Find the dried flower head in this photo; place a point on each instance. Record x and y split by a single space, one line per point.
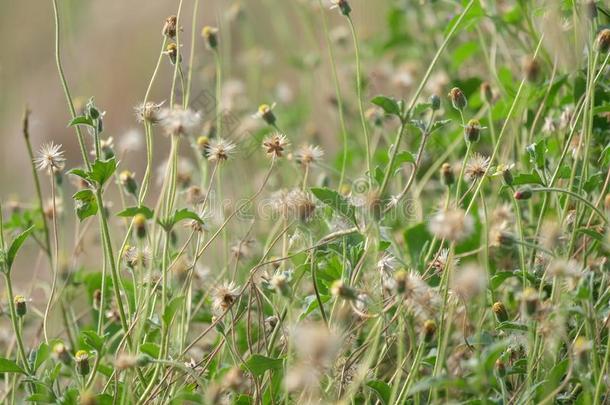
169 27
458 99
220 149
50 158
302 204
308 154
442 262
179 122
149 112
476 167
224 296
275 145
603 40
452 224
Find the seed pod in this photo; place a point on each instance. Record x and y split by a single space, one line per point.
339 289
20 305
435 102
139 223
603 41
486 92
210 35
429 330
472 131
447 175
169 27
128 181
507 176
524 193
458 99
499 309
82 362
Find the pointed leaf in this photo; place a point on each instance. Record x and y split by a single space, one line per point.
172 308
388 104
86 204
133 211
336 201
81 120
102 170
257 364
16 245
9 366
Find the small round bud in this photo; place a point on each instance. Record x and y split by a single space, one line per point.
458 99
171 50
169 27
128 181
210 35
82 362
266 113
603 41
524 193
343 6
339 289
472 131
202 145
60 352
447 175
435 102
139 223
486 92
499 310
20 305
507 176
429 330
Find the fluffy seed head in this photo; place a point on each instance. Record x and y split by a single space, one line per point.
220 149
308 154
224 296
179 122
149 112
452 224
50 158
476 167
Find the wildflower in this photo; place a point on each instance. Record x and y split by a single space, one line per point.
566 117
343 6
476 167
195 195
421 300
550 235
224 296
20 305
275 144
400 281
169 27
149 112
447 175
266 113
179 122
451 224
220 149
472 131
50 158
203 142
127 179
499 310
501 367
549 125
504 170
315 343
458 99
60 352
243 248
82 362
339 289
107 149
279 283
603 41
210 35
530 301
308 154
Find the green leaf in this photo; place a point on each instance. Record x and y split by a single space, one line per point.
80 173
16 245
86 204
82 120
591 233
388 104
93 340
382 390
401 158
416 237
438 125
102 170
152 349
512 326
336 201
133 211
526 178
42 354
257 364
9 366
499 278
185 213
172 308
